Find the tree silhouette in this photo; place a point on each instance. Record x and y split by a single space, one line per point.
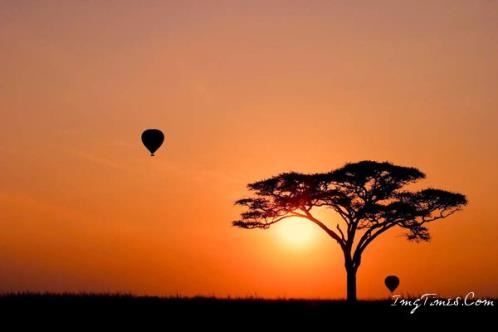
368 196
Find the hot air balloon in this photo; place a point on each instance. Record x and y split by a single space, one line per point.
152 139
391 282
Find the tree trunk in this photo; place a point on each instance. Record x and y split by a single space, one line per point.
351 284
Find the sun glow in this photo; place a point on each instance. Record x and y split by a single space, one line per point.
296 232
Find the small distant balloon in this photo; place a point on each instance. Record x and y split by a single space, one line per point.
152 139
392 282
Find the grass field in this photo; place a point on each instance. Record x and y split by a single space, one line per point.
124 309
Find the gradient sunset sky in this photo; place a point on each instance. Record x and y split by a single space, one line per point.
243 90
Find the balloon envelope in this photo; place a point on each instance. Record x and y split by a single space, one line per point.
391 282
152 139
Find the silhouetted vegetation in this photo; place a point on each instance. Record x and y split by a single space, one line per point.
370 198
208 311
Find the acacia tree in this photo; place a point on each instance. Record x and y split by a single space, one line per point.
370 198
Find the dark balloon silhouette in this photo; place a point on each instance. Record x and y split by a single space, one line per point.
152 139
392 282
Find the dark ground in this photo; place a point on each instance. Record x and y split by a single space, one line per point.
123 310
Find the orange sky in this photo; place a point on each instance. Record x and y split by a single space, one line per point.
243 90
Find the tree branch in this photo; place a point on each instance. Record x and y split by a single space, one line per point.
330 232
369 237
259 224
341 233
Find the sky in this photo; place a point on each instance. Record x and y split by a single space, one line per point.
243 90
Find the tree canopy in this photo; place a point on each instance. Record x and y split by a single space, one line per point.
367 195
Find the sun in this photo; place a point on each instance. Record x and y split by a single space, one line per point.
296 232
